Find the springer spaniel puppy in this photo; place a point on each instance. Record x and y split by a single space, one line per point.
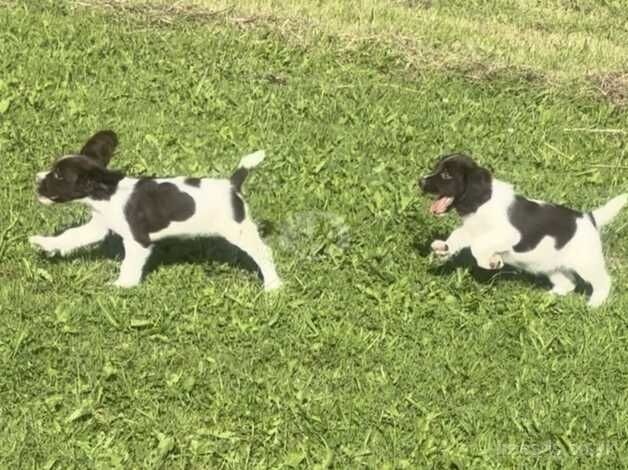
145 210
501 226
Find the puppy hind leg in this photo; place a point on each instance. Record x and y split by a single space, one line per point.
601 289
562 283
246 237
135 256
597 276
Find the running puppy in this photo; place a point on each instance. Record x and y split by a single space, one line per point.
144 210
502 227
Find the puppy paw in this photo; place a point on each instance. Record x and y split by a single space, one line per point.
125 283
493 263
562 290
44 244
273 285
440 248
596 300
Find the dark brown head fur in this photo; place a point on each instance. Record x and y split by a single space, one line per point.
457 176
83 175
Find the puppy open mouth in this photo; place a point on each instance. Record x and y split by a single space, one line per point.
441 205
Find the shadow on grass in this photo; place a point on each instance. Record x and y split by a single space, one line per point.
172 251
484 276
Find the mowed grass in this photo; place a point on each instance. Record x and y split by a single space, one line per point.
372 355
555 41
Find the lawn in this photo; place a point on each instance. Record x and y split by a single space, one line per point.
373 354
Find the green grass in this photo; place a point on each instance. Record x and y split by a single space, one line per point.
372 355
556 41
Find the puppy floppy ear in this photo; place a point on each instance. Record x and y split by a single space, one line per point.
477 191
478 178
100 146
101 183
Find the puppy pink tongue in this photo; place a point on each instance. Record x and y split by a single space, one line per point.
441 205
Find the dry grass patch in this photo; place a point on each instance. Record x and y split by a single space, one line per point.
614 86
557 40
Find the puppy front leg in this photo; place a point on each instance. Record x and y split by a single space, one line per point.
457 240
135 256
486 251
68 241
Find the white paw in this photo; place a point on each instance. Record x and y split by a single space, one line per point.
44 244
595 302
440 248
560 291
493 263
125 283
273 285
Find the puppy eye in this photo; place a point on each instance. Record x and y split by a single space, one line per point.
445 175
57 176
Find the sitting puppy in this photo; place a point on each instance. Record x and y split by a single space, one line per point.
144 210
502 227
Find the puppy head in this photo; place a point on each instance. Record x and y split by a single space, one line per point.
82 175
457 182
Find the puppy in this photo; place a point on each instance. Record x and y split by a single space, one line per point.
145 210
501 226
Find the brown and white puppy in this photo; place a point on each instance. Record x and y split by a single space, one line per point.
500 226
145 210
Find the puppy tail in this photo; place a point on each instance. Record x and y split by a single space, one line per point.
605 214
247 163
